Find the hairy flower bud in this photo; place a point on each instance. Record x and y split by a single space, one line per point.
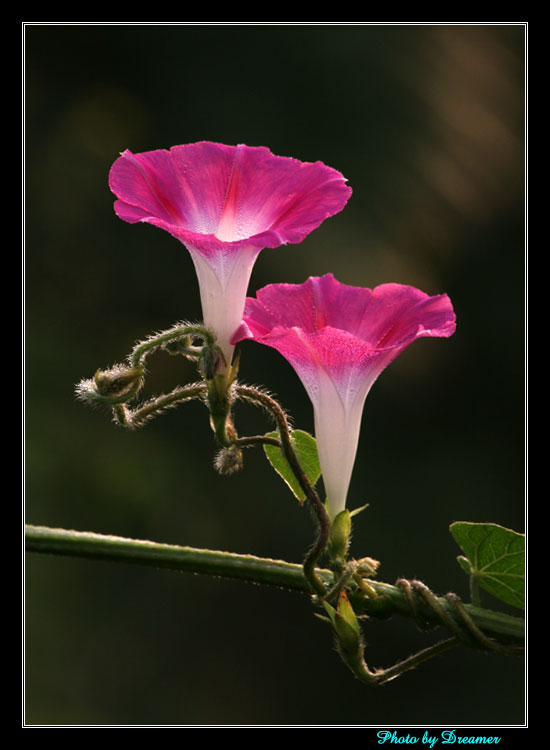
117 381
367 566
228 461
211 362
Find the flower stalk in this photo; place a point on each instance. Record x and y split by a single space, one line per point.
219 378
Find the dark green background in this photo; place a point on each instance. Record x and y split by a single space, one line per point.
426 123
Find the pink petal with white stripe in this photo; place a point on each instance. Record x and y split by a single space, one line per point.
339 338
226 204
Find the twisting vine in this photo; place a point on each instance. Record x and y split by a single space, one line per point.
342 591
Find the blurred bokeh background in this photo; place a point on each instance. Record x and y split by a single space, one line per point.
427 125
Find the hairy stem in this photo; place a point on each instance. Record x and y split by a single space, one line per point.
144 348
320 514
148 409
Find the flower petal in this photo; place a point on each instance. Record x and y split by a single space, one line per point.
209 194
337 432
339 338
223 281
223 201
150 183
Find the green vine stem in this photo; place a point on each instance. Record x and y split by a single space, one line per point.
219 389
382 676
136 417
172 335
319 512
347 586
505 630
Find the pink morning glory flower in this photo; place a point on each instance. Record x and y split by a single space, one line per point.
226 204
339 338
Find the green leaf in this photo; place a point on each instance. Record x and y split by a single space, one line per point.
495 556
305 448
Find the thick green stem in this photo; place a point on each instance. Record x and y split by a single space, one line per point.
390 600
209 562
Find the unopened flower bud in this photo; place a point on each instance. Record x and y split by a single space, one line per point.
211 362
228 461
117 381
345 625
367 566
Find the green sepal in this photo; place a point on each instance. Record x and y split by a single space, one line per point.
331 612
356 511
339 537
211 362
219 378
495 556
305 448
345 611
345 624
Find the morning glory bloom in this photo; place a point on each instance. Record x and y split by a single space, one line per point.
339 338
226 204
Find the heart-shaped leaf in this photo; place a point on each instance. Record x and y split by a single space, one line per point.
495 556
